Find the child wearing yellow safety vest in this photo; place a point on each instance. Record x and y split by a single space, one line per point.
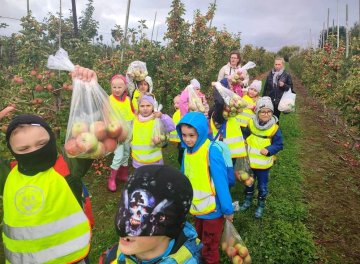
42 195
151 220
173 134
204 165
143 151
250 97
227 130
120 101
264 140
142 87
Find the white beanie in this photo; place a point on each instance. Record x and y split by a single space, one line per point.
256 84
264 102
149 82
195 83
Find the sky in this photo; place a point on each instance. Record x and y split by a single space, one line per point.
269 24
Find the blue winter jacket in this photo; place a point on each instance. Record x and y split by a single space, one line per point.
217 165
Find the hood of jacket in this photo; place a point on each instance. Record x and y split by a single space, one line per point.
199 122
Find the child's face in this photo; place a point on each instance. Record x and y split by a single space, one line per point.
143 86
145 108
144 247
118 87
252 92
176 102
189 135
28 138
265 115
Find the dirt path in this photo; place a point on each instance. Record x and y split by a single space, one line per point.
331 183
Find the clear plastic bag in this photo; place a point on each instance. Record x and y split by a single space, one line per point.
234 104
160 137
243 172
195 102
233 245
94 127
287 102
136 71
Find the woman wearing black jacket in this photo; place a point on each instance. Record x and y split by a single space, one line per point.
277 82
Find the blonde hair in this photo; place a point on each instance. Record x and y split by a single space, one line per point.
280 59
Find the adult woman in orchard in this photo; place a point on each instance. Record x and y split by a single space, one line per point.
231 66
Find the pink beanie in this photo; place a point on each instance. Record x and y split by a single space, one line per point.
118 76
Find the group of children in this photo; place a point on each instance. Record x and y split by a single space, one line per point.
151 219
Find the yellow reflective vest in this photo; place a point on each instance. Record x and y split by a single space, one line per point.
247 114
234 138
257 140
196 168
142 149
173 134
134 100
124 107
43 221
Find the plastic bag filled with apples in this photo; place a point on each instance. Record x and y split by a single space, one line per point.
160 137
94 127
234 104
195 102
243 172
136 71
233 245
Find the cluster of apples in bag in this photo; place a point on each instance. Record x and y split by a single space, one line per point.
95 139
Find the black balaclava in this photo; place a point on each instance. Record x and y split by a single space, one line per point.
38 160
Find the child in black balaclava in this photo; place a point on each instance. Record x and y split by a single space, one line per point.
42 195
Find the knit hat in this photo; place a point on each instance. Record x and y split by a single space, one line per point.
118 76
256 84
148 97
154 202
40 159
264 102
149 82
195 83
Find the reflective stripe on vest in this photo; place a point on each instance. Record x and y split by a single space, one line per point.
43 221
247 114
204 192
233 137
51 254
141 145
174 137
124 107
258 140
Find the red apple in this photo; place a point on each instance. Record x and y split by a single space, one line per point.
114 129
49 87
98 128
78 128
38 88
242 250
87 142
124 134
99 152
110 144
33 73
71 148
231 252
247 260
237 260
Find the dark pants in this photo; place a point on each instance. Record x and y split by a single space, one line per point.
262 178
276 111
209 232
